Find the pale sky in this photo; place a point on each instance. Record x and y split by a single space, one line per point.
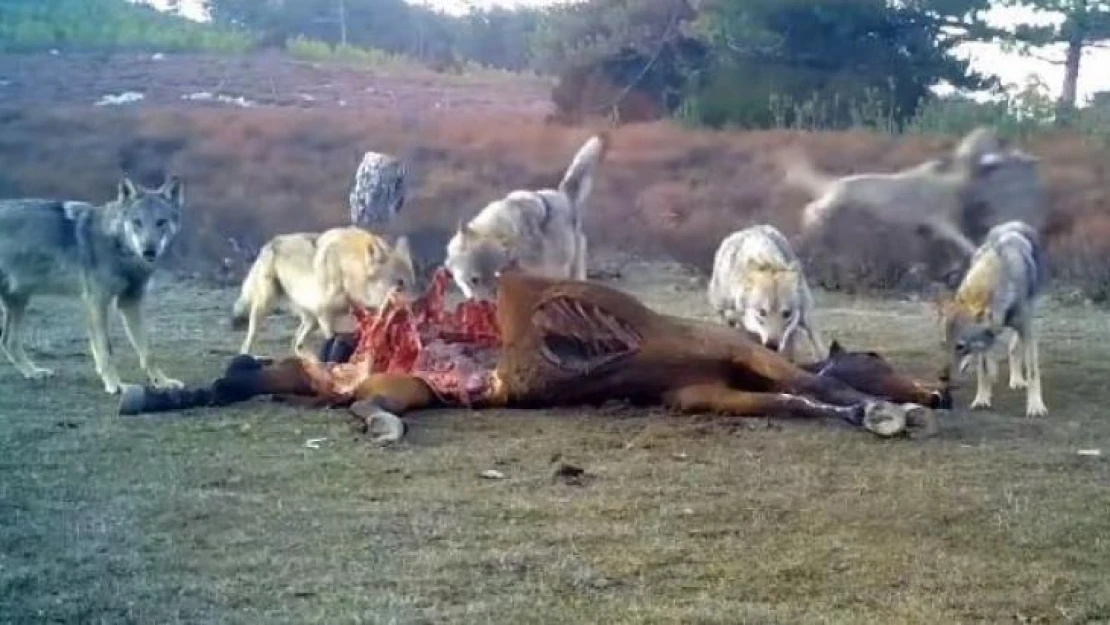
1010 67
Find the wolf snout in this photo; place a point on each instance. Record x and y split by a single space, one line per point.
771 344
149 253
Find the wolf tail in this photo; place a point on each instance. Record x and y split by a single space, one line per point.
259 288
800 172
579 179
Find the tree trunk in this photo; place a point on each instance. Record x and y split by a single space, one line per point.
1065 107
1071 73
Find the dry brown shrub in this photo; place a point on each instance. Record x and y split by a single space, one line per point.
664 190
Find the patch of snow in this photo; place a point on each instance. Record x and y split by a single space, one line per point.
127 97
157 56
204 96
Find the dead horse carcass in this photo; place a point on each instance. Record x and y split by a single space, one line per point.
566 343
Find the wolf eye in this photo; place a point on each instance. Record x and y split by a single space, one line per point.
786 313
961 347
400 283
138 223
762 312
474 281
161 223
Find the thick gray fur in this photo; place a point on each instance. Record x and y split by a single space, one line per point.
105 255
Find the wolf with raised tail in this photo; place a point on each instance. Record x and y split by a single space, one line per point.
321 275
105 255
758 284
999 292
539 232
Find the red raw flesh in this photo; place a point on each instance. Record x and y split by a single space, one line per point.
454 352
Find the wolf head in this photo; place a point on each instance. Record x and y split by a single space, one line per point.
396 272
771 307
147 220
967 332
476 262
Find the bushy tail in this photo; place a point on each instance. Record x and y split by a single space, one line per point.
800 172
258 284
579 179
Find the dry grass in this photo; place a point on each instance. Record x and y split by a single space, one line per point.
225 516
664 189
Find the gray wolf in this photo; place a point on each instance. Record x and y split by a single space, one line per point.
931 195
321 275
999 292
539 232
378 193
758 283
104 254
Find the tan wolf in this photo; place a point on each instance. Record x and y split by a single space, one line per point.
932 194
538 231
758 284
103 254
321 275
1000 291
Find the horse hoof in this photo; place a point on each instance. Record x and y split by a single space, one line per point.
132 399
941 400
884 419
383 426
921 423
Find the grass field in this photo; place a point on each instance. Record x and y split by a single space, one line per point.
227 516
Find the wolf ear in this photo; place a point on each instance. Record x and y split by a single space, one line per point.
463 228
835 348
174 190
512 265
401 248
127 189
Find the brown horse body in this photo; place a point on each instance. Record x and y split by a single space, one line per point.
566 343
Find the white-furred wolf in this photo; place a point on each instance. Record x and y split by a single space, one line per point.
758 284
931 195
321 275
103 254
539 232
999 291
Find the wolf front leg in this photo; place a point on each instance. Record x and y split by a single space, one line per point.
1017 362
130 310
985 370
96 306
1034 401
946 230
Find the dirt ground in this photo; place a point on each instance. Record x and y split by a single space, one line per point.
263 513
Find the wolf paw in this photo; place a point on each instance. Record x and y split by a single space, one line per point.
1018 383
1036 409
884 419
111 384
980 403
164 382
38 373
